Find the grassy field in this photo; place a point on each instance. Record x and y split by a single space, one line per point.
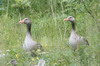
53 33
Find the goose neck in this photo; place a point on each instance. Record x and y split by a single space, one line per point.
73 26
29 29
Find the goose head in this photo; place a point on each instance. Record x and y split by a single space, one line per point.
70 18
25 21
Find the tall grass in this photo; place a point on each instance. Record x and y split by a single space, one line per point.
52 32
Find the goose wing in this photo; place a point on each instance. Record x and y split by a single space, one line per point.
84 40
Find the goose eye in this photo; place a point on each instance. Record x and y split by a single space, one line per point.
26 19
70 17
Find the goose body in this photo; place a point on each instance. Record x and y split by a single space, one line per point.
29 44
74 38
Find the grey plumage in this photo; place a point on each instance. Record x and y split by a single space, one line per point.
13 62
75 39
29 44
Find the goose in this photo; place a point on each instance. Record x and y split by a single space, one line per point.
29 44
13 62
75 39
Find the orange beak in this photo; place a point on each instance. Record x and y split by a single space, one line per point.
21 21
66 19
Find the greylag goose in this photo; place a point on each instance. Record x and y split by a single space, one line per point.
13 62
75 39
29 44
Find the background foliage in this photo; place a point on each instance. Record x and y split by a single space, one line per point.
50 30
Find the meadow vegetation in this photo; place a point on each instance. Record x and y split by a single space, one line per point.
50 30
